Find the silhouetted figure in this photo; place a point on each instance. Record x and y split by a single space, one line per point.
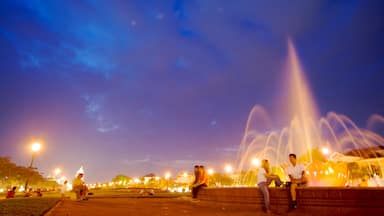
201 180
11 193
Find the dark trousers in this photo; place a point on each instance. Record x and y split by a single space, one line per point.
195 190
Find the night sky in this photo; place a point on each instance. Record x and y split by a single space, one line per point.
145 86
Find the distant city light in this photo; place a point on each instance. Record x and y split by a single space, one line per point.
256 162
228 168
325 150
57 171
167 175
210 171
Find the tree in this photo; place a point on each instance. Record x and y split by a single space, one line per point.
121 179
13 175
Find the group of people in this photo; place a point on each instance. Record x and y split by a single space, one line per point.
30 193
78 186
201 180
296 174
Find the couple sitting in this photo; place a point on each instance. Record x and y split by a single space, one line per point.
201 180
296 173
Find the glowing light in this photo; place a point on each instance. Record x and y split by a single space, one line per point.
185 174
210 171
330 170
167 175
325 151
36 147
136 180
228 168
57 171
256 162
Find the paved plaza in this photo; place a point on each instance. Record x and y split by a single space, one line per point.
149 206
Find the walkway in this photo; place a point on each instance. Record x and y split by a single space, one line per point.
148 206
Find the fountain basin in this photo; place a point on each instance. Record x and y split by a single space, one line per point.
311 200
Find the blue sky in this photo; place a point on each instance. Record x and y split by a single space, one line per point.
145 86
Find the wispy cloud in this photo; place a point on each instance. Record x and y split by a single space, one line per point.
94 110
147 159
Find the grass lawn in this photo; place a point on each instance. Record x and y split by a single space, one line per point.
27 206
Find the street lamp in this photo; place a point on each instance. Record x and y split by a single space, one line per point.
325 151
57 171
211 171
167 176
228 169
35 148
256 162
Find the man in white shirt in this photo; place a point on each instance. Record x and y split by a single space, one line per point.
264 178
296 173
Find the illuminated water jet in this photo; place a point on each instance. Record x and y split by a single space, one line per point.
306 133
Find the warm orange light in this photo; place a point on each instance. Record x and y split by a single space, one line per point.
210 171
228 168
167 175
325 150
256 162
57 171
36 147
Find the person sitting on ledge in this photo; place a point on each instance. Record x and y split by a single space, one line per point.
296 173
201 180
264 179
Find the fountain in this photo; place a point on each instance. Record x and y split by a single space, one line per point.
310 137
336 153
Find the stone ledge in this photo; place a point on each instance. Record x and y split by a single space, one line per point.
311 200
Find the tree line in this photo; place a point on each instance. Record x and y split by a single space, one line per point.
14 175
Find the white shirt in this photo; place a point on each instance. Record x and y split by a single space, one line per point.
63 188
261 176
295 171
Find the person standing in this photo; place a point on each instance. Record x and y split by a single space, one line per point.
296 173
264 179
64 189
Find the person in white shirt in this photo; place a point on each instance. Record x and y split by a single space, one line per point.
64 189
296 173
264 178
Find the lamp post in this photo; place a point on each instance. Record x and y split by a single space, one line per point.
167 176
35 148
256 162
